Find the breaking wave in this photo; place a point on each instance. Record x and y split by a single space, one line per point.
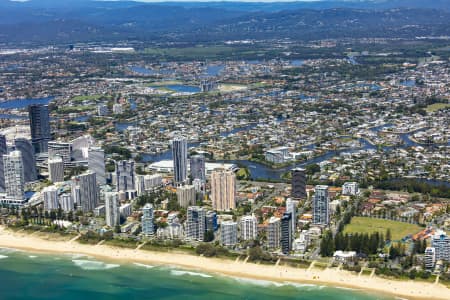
181 273
143 265
93 265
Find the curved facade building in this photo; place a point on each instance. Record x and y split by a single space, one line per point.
28 158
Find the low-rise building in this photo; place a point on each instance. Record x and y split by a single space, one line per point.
344 256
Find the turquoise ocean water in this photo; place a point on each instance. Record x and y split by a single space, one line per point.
33 276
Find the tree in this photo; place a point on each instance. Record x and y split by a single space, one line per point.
424 246
70 216
312 169
388 235
327 244
53 215
206 249
338 210
209 236
108 235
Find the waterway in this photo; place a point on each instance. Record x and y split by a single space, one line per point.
182 88
261 171
22 103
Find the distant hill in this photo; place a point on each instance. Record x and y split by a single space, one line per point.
338 23
72 21
279 5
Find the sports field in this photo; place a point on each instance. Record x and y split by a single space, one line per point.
371 225
437 106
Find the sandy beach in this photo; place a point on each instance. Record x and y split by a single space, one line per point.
329 277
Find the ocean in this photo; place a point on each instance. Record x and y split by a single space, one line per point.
34 276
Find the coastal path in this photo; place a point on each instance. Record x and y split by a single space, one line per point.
311 265
75 238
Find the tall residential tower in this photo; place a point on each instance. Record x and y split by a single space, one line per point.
321 205
29 161
3 151
223 189
298 183
14 177
179 153
40 127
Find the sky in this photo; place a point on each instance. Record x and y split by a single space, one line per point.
221 0
202 0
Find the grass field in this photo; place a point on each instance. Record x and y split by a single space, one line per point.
371 225
210 52
163 83
202 52
437 106
226 88
88 98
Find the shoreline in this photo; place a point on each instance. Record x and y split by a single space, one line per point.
278 274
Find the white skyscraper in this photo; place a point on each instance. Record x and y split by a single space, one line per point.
195 223
66 202
321 205
223 190
28 157
14 176
198 170
274 233
199 185
186 195
152 181
291 207
125 179
228 233
126 210
145 183
148 228
96 163
441 243
112 209
85 191
249 228
56 169
50 197
179 153
140 185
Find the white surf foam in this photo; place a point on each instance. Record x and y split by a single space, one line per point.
181 273
32 256
264 283
143 265
8 250
308 286
3 256
267 283
346 288
93 265
77 255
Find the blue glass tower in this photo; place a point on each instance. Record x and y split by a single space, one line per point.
40 127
